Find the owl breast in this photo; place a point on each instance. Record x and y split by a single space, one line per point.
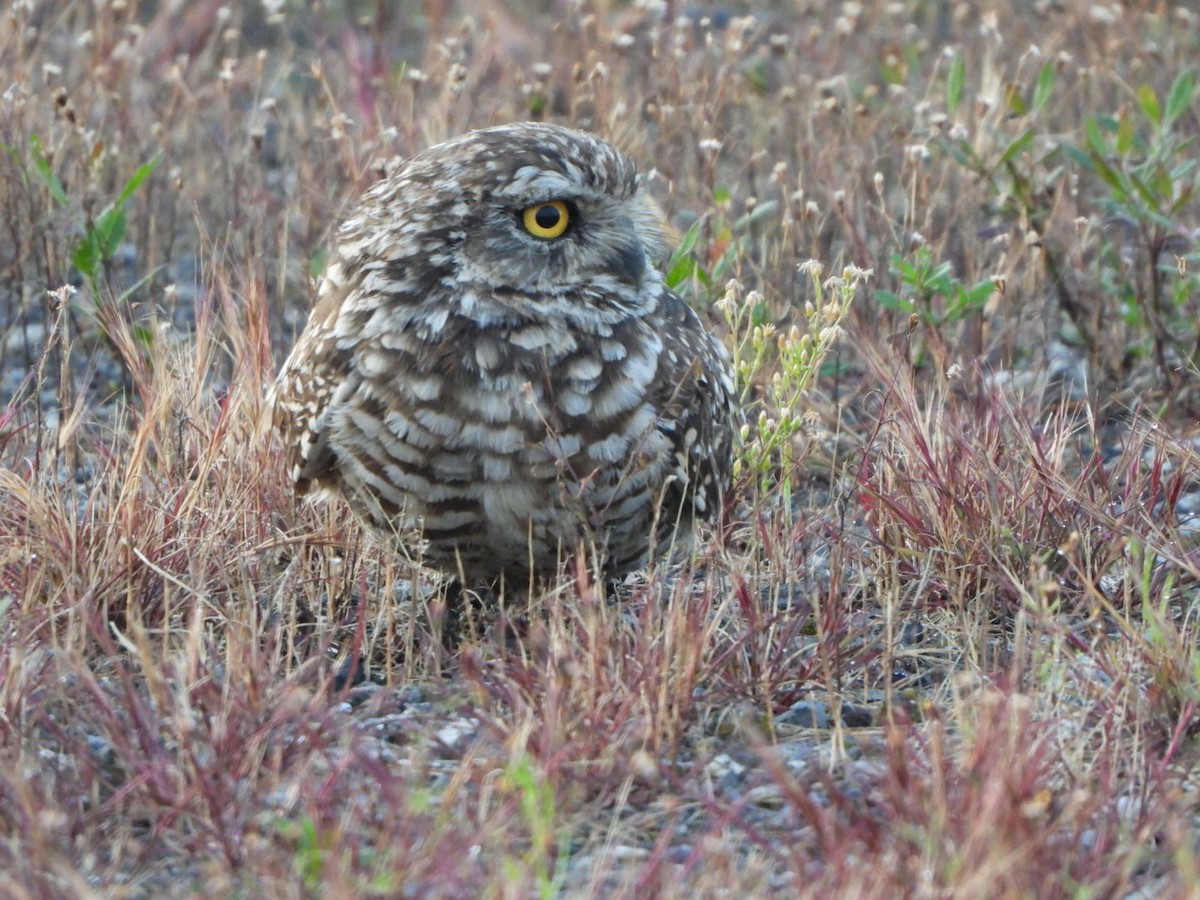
505 446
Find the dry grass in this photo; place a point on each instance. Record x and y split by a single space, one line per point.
947 645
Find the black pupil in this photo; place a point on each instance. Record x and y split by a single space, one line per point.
547 216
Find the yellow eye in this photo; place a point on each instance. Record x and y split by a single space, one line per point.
547 220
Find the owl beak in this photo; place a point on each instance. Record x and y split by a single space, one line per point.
628 260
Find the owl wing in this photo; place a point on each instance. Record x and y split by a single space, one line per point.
696 395
316 374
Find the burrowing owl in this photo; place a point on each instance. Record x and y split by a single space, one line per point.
494 363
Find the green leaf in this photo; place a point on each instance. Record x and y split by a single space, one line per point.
833 367
1148 101
1145 191
137 285
940 276
954 84
1014 101
1162 185
110 231
892 74
1183 170
681 266
103 237
679 273
1121 188
1180 96
689 240
685 270
756 76
1096 141
760 314
1080 157
977 296
135 181
722 267
890 300
1184 197
1125 134
1016 146
42 166
761 211
86 257
316 265
1044 87
962 155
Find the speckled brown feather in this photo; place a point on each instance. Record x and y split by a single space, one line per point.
499 395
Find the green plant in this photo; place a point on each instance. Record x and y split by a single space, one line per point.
535 795
1144 155
931 291
1016 159
1007 159
103 234
775 370
728 243
310 850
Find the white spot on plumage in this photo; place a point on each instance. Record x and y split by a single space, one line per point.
574 403
497 468
562 446
534 337
427 388
487 354
585 368
621 394
609 450
489 405
484 437
439 423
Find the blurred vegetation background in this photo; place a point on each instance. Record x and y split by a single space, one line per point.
946 647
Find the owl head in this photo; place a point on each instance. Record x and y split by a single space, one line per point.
519 211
